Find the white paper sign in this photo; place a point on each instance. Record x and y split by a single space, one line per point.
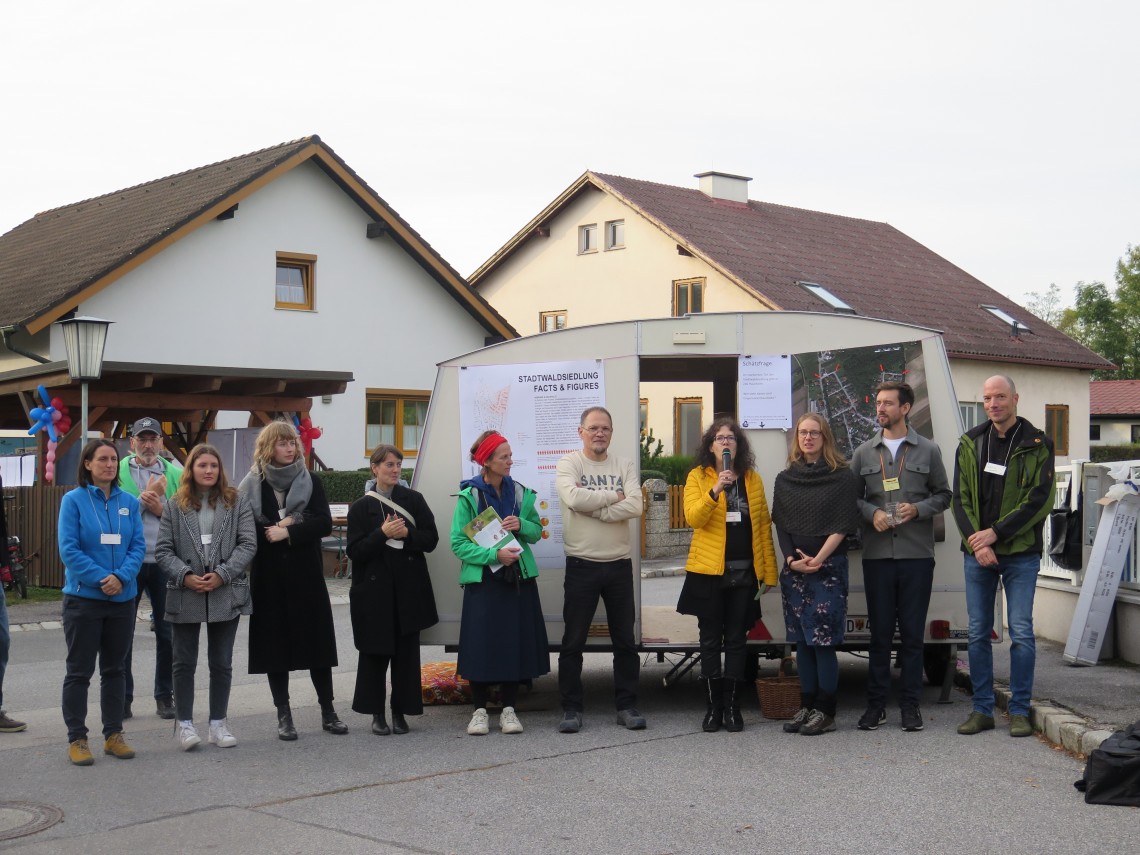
764 399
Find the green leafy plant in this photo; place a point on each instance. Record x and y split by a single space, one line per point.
651 449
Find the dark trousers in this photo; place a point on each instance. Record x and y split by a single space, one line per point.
220 637
586 583
371 671
898 591
153 581
723 625
322 682
95 628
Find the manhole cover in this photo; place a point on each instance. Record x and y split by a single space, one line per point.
18 819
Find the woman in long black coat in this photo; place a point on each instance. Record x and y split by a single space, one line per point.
391 596
291 628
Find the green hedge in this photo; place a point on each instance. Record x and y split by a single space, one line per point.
674 468
1109 453
348 485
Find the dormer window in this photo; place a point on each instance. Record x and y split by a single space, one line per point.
1016 327
817 290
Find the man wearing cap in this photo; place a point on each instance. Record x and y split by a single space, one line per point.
146 474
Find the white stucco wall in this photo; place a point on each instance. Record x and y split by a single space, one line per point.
209 299
1115 431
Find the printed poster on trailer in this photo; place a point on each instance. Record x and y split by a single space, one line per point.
536 406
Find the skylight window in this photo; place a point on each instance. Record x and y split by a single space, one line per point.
822 293
1013 323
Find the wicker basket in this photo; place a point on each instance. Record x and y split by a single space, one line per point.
779 695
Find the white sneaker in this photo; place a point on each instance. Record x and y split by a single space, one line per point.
478 725
188 737
509 722
220 734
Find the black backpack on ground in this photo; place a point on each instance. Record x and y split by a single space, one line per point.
1112 773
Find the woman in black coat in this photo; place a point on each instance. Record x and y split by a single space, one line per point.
391 596
291 628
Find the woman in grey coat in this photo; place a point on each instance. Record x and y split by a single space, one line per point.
206 541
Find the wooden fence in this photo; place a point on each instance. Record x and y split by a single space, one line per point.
33 513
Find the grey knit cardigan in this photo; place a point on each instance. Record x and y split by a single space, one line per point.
180 551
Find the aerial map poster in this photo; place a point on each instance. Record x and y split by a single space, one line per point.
840 386
537 407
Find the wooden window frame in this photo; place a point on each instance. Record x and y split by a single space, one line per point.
643 406
1058 413
677 404
400 397
678 284
588 246
557 314
609 235
307 264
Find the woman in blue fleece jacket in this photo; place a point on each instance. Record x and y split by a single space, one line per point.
102 546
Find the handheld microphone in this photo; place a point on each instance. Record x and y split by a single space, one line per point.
726 458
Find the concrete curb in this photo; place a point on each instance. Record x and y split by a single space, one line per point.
1063 727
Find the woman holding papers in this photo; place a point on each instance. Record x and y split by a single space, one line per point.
389 530
730 558
206 541
502 635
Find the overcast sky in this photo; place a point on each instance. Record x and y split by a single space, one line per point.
1005 136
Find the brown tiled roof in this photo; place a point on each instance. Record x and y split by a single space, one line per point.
871 266
1114 398
49 261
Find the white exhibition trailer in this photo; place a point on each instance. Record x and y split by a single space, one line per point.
534 389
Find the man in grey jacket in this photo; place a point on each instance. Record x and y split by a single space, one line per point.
904 488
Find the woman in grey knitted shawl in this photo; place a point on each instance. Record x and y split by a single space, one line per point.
206 540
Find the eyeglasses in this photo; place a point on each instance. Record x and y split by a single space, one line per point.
724 439
810 434
594 431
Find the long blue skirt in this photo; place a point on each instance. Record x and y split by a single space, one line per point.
502 636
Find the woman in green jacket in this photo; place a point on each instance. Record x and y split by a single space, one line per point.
502 634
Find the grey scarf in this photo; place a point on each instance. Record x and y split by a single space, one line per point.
293 480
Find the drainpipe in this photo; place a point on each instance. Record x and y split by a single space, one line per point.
6 335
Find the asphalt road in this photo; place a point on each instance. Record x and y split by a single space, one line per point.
668 789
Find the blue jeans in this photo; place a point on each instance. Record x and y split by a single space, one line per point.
152 580
1018 577
5 643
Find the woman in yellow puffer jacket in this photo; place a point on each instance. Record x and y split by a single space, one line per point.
730 558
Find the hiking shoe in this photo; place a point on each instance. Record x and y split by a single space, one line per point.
478 725
1019 725
872 718
188 737
220 734
9 724
509 722
631 719
571 722
797 721
164 708
817 722
911 719
976 723
116 746
79 754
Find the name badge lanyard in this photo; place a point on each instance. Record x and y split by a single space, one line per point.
105 537
732 504
892 484
999 468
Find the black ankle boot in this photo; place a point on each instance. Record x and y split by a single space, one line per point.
714 696
332 723
379 726
285 729
399 723
733 720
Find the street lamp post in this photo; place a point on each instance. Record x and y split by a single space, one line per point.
85 339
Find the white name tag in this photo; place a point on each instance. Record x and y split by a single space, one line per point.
395 544
110 539
732 517
995 469
123 512
207 539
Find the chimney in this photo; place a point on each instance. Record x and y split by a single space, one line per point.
721 185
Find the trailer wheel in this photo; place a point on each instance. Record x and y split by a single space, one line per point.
935 660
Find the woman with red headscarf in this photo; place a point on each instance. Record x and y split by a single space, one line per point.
502 634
